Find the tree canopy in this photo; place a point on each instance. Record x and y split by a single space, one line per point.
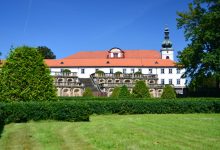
201 25
25 77
46 52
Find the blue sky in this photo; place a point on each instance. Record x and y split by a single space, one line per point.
69 26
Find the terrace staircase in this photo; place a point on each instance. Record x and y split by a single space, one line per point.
88 83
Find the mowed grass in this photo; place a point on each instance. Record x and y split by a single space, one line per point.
150 131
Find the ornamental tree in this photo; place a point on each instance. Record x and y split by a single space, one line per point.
25 77
168 92
124 92
201 57
141 90
115 92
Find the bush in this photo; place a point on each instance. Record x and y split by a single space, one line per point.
25 77
118 73
87 93
168 92
99 72
66 72
138 73
25 111
115 92
140 90
123 92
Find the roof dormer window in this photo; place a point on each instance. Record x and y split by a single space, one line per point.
115 53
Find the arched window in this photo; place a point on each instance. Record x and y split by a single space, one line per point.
76 90
127 81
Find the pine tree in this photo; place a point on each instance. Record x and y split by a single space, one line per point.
25 77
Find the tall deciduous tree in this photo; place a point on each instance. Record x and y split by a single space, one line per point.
46 52
25 77
201 24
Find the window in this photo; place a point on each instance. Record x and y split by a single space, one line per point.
170 81
82 71
162 71
132 70
162 81
178 81
140 70
170 70
150 71
115 55
124 71
167 57
111 71
178 71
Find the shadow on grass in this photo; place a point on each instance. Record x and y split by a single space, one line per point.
1 128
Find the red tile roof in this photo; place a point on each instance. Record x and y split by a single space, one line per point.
133 58
153 54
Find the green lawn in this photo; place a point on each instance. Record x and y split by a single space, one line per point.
164 131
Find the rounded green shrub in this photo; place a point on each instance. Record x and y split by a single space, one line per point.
115 92
168 92
123 92
141 90
25 77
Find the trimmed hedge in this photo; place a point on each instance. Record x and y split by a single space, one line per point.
25 111
81 110
154 107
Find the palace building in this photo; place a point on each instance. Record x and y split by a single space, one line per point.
103 70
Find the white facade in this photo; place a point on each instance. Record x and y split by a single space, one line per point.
167 54
171 74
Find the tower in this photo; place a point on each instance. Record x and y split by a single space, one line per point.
167 50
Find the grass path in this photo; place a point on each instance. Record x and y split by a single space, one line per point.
170 131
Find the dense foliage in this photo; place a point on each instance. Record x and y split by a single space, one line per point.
115 92
46 52
168 92
26 111
201 57
88 93
124 92
25 77
140 90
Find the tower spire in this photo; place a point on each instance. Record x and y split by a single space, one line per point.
167 50
166 44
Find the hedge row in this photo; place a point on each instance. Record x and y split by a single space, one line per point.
25 111
146 99
81 110
154 107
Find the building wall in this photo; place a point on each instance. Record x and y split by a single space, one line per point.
166 75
